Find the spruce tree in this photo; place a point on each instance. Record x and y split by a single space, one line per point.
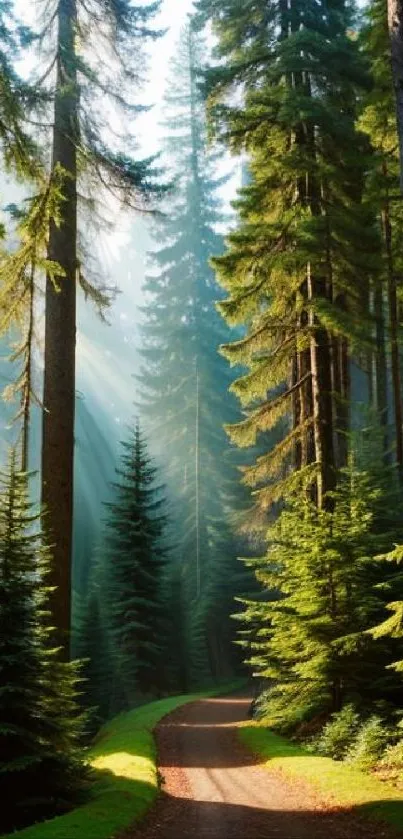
184 381
296 268
99 58
378 120
41 765
395 27
313 638
134 560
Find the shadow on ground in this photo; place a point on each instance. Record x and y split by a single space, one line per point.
174 818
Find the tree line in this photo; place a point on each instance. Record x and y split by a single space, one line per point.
293 459
310 94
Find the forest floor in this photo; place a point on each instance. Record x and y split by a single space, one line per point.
214 788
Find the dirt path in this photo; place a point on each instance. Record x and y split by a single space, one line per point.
214 789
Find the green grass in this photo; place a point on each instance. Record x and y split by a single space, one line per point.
125 774
348 787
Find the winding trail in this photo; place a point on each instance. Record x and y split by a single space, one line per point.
213 788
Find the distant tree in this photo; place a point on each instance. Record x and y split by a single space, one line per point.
91 645
184 381
134 560
41 762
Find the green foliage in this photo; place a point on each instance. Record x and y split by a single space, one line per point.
337 735
312 635
392 760
41 765
369 744
297 264
183 382
132 573
125 773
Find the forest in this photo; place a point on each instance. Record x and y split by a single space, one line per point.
247 531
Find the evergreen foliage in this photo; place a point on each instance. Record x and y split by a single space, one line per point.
183 383
296 266
378 120
97 50
41 765
134 559
314 640
369 744
337 735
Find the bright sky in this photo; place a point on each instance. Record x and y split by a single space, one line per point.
172 17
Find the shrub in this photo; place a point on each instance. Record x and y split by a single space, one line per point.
336 736
369 744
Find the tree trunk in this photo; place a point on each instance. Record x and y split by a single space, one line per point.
395 25
27 389
381 364
321 366
60 333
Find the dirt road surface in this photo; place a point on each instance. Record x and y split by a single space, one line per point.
213 788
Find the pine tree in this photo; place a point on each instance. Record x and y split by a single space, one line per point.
92 646
20 153
395 27
133 570
378 120
313 638
41 766
184 381
99 58
296 269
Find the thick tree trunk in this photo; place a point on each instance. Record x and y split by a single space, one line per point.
395 24
60 333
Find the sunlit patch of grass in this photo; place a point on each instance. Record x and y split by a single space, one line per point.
340 784
125 776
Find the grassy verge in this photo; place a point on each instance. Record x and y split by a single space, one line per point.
126 777
348 787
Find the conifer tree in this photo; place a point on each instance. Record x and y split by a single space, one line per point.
378 120
133 573
41 766
183 384
314 639
395 27
296 267
99 60
20 153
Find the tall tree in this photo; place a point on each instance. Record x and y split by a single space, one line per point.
395 26
85 74
296 267
184 381
379 121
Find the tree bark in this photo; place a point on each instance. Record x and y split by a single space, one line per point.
381 364
321 366
60 333
395 25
